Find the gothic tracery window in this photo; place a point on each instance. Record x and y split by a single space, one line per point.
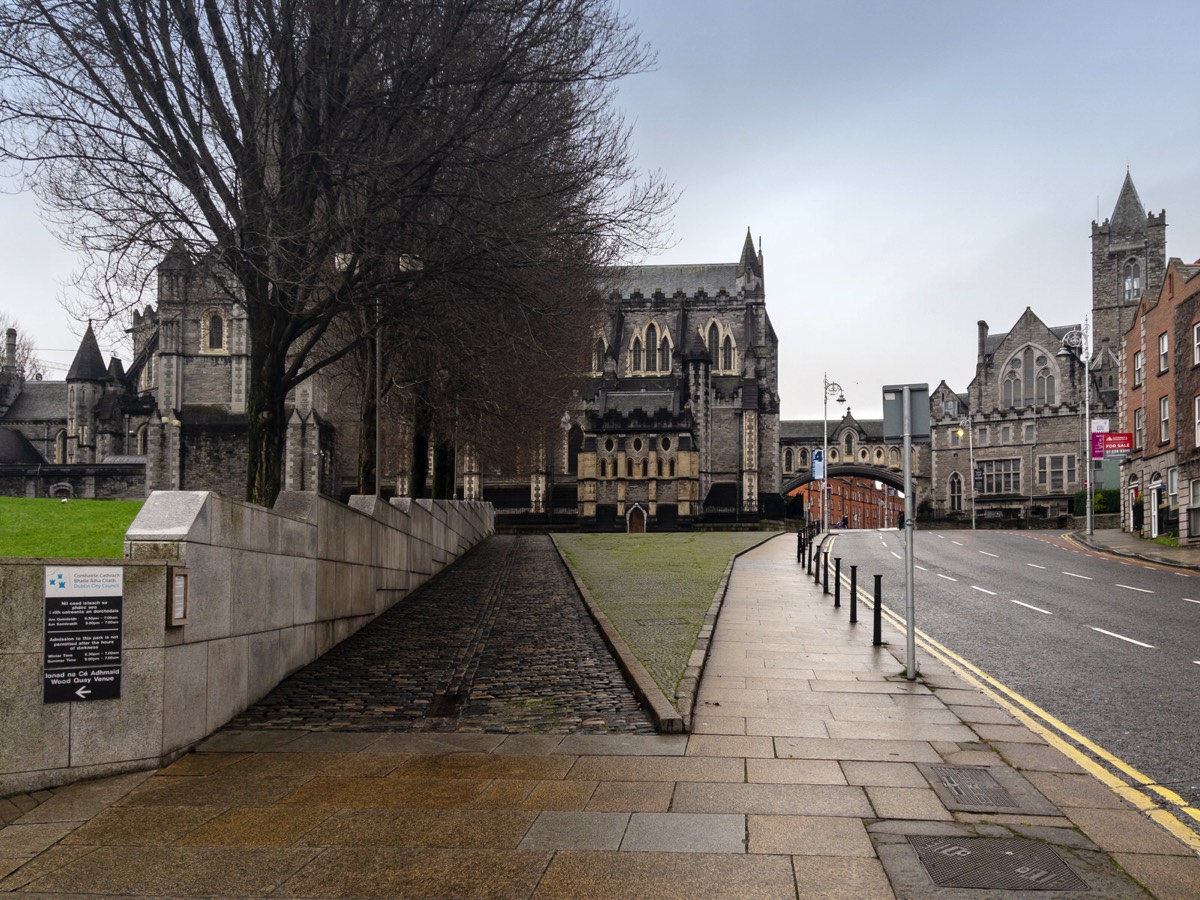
651 349
1133 280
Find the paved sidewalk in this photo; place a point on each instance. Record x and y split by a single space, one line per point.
815 770
1123 543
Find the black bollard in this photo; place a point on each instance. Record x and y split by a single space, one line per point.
878 639
853 595
837 582
800 545
825 571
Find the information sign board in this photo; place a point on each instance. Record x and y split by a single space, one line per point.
82 633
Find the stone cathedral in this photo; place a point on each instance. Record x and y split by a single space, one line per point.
680 417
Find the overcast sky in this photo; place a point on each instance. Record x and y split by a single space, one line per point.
910 167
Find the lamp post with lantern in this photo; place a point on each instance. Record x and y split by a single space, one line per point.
969 426
1077 343
829 389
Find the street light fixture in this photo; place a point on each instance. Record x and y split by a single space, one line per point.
1077 343
830 388
969 426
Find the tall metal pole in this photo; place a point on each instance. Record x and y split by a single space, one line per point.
1087 417
825 455
971 445
909 599
828 388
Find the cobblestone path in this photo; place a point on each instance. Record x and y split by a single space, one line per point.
500 642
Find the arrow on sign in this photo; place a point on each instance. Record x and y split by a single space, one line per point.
83 692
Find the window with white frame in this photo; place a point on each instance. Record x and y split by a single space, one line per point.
1173 486
1139 429
1164 419
1162 353
1196 344
1196 418
1139 367
1056 471
1001 476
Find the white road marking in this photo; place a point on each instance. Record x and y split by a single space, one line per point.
895 554
983 590
1130 587
960 543
947 577
941 537
922 568
1084 577
1034 608
1188 600
1122 637
1034 566
994 555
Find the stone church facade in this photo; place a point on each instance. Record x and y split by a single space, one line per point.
175 419
680 415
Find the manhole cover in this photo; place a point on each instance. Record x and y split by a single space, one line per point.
1016 864
972 784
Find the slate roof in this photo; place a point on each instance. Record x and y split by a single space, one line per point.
812 431
39 401
691 279
88 364
16 450
993 341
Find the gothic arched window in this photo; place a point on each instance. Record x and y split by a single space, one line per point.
645 468
788 460
637 354
714 342
60 448
956 493
664 355
628 467
598 358
727 354
651 349
603 469
670 468
216 332
141 441
1133 280
1045 387
849 445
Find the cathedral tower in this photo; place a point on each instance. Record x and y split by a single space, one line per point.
1129 257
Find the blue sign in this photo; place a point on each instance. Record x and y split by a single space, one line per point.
818 464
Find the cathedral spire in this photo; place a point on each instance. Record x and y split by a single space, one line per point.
1129 216
749 264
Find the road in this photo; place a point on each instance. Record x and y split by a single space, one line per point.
1108 646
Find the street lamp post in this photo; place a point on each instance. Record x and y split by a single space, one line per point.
969 426
1079 341
829 389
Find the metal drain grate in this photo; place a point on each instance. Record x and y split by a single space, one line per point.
1015 864
972 784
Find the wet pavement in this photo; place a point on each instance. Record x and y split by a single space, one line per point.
813 769
501 642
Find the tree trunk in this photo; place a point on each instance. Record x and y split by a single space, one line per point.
368 465
268 429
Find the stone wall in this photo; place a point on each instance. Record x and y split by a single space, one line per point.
269 591
101 482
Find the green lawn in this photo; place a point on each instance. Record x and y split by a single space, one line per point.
656 588
75 529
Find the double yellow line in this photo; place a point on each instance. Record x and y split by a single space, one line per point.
1053 731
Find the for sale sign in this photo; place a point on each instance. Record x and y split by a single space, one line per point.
1118 443
82 634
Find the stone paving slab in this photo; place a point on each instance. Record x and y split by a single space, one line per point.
305 813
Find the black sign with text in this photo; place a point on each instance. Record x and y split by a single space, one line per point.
82 635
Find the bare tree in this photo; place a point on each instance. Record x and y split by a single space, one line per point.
312 148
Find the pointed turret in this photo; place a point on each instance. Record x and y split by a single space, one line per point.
88 364
750 269
1129 216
